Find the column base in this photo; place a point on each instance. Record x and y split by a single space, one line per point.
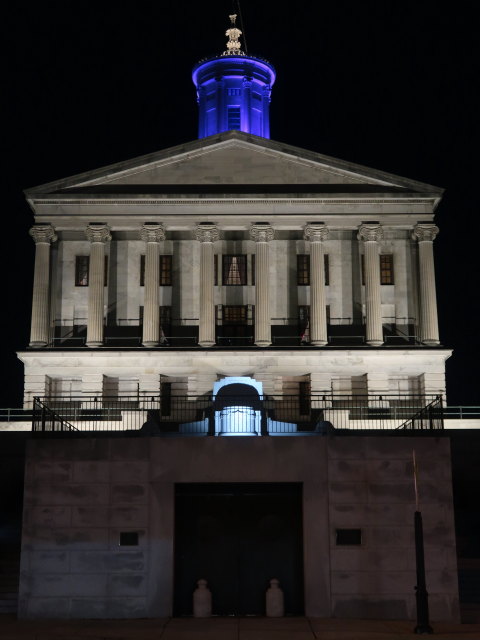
262 343
38 343
94 344
375 343
150 344
318 343
206 343
431 343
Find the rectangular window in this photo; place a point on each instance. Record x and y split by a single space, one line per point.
303 317
253 269
128 539
386 268
234 314
166 398
165 271
303 269
350 537
234 270
304 397
82 268
233 118
166 320
165 268
215 269
81 271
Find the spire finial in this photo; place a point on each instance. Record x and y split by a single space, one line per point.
233 44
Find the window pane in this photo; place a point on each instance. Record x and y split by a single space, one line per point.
234 314
142 271
165 271
303 269
81 271
386 268
234 270
233 118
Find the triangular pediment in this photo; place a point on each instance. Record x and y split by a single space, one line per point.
232 161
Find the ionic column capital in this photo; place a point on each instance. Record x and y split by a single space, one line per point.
262 232
152 233
425 232
316 232
43 233
98 233
370 233
206 232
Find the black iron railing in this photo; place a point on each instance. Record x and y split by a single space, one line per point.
241 415
46 418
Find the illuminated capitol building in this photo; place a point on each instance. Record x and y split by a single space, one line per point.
234 349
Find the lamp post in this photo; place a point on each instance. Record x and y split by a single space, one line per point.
421 594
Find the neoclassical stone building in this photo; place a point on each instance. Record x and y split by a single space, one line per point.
299 276
234 255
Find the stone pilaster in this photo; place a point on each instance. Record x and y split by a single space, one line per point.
378 387
433 383
148 388
206 234
98 235
152 235
262 234
425 234
316 234
43 235
371 234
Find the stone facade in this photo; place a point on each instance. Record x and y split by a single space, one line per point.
81 493
269 205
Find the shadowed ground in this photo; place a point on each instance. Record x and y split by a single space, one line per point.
226 629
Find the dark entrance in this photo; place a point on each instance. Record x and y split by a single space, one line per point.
238 537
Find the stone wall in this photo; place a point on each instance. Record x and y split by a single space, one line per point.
81 493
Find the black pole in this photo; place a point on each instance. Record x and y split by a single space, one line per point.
423 623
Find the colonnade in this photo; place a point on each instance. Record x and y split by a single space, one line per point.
371 234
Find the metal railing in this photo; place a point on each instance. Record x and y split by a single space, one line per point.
462 413
237 415
46 419
429 417
12 414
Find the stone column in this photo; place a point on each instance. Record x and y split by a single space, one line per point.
43 235
152 235
262 234
426 234
98 235
206 234
316 234
371 234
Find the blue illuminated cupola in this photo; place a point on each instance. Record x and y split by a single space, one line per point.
233 90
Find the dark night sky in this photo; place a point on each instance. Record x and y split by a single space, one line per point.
390 85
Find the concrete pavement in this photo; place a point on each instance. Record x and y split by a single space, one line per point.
225 629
